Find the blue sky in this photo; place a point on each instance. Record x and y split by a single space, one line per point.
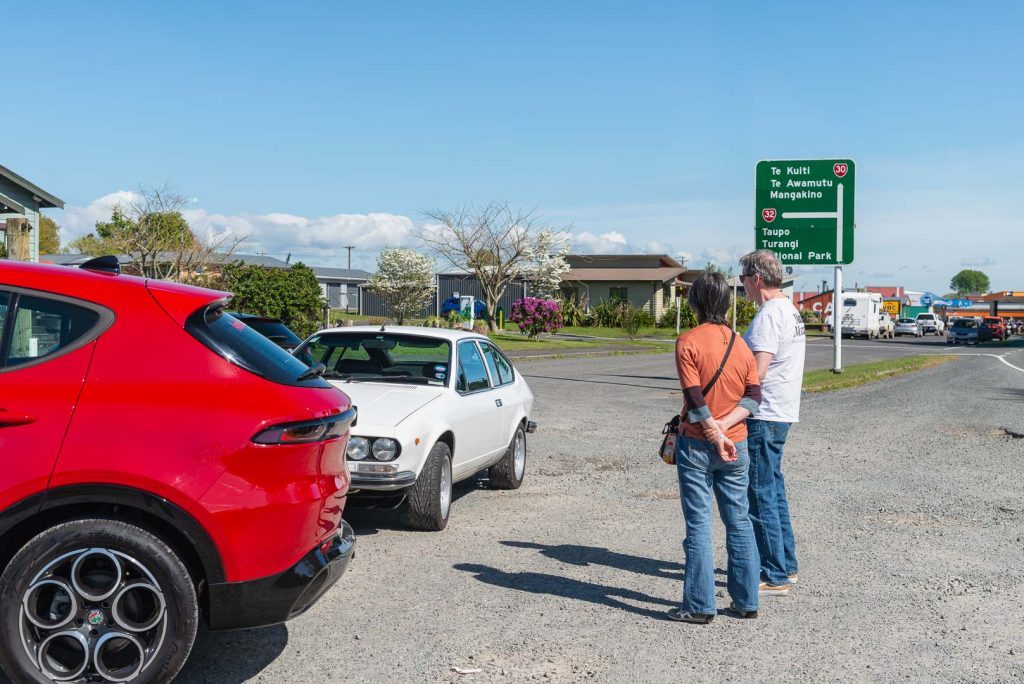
635 125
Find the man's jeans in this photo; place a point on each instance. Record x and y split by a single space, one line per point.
701 470
769 507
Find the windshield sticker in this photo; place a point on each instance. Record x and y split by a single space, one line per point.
439 376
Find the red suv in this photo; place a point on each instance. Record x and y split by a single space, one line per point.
158 460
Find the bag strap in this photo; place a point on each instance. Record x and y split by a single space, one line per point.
725 358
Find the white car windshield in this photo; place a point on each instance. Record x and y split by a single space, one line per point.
379 357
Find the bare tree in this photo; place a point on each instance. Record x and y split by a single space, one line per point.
152 231
496 243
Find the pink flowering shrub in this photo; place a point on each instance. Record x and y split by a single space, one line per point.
535 316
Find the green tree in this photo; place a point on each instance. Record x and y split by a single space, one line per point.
153 232
291 294
49 236
970 282
404 279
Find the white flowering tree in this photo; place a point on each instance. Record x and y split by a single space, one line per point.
404 279
548 263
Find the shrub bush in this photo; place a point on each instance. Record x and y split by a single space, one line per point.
687 318
629 316
535 316
572 313
607 314
645 318
745 312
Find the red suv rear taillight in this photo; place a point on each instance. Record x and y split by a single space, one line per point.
307 431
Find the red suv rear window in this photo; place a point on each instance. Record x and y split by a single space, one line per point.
246 348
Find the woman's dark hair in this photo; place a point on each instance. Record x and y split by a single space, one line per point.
709 297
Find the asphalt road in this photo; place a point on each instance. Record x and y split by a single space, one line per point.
907 505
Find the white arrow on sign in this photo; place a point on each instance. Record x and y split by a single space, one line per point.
837 215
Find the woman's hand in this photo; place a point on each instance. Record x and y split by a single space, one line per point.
727 449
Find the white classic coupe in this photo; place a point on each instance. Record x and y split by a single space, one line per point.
435 406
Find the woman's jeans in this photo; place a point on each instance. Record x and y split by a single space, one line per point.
700 471
769 506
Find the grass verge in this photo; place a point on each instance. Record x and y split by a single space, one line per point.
863 373
514 343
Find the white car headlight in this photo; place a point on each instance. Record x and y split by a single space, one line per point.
384 449
358 448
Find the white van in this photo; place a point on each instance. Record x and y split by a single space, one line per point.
861 312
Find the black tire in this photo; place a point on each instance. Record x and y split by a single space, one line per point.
503 474
424 506
141 556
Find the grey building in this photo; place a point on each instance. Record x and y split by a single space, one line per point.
20 203
341 287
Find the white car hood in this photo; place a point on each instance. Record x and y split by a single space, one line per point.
387 403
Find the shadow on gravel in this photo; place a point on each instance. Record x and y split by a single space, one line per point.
575 554
1009 393
554 585
232 657
366 521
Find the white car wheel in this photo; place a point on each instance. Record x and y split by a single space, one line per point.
429 501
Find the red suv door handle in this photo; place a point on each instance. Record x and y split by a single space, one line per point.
15 419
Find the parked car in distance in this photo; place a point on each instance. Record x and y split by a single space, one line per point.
886 326
435 407
906 326
930 323
964 331
161 462
995 327
273 329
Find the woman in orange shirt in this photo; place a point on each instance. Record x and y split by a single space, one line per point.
720 388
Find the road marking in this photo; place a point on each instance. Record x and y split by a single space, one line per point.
994 356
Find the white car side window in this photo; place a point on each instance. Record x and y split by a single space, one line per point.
472 371
501 369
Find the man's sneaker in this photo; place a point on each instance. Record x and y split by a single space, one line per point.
745 614
793 579
773 589
680 615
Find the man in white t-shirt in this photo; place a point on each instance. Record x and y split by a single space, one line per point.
776 336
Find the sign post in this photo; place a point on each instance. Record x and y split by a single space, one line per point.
804 213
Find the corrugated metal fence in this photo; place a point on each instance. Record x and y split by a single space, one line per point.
371 304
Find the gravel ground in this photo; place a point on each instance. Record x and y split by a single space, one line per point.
909 516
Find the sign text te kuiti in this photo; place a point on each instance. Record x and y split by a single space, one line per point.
804 210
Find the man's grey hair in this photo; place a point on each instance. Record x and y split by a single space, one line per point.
764 263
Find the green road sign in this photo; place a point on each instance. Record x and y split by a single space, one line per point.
805 210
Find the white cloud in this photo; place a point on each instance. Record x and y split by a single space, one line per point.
317 241
612 242
79 221
978 262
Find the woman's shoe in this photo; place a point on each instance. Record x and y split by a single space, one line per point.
680 615
745 614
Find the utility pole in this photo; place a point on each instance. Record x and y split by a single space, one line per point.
350 257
